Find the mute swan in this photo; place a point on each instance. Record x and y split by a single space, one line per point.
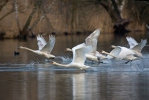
79 58
121 53
92 40
43 47
135 46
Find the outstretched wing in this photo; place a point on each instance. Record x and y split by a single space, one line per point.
132 42
49 46
92 39
79 46
140 46
114 52
79 54
41 42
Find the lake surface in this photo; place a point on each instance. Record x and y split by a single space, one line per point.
32 77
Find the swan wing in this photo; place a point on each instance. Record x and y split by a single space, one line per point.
41 42
79 54
132 42
49 46
79 46
140 46
92 39
114 52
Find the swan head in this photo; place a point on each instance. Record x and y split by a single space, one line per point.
20 47
50 56
53 62
68 49
113 46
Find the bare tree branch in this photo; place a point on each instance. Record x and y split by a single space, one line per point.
42 17
11 11
16 12
24 30
1 6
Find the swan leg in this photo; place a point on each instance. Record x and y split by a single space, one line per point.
99 60
128 61
92 62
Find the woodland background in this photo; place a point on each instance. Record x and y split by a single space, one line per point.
26 18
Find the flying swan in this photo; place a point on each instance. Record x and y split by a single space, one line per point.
44 48
121 53
92 40
79 57
135 46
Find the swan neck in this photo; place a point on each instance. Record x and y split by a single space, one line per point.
55 63
110 54
27 49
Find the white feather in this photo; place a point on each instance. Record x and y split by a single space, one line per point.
41 42
132 42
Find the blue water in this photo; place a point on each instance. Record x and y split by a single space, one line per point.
32 77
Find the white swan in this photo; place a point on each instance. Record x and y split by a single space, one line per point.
92 40
79 57
43 47
121 53
135 46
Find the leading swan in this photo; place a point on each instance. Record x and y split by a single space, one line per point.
79 57
44 48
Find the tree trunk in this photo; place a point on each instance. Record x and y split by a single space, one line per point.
44 15
120 23
1 6
16 11
23 33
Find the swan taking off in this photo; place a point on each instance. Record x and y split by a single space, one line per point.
79 57
44 48
121 53
135 46
92 40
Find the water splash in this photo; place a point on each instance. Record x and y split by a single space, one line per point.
31 65
65 59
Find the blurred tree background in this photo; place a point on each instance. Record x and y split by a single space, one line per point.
26 18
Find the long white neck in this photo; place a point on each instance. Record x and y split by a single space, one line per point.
109 54
55 63
27 49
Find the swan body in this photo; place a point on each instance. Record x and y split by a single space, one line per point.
135 46
91 57
43 47
121 53
73 65
79 57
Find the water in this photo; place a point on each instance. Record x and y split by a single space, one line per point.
32 77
